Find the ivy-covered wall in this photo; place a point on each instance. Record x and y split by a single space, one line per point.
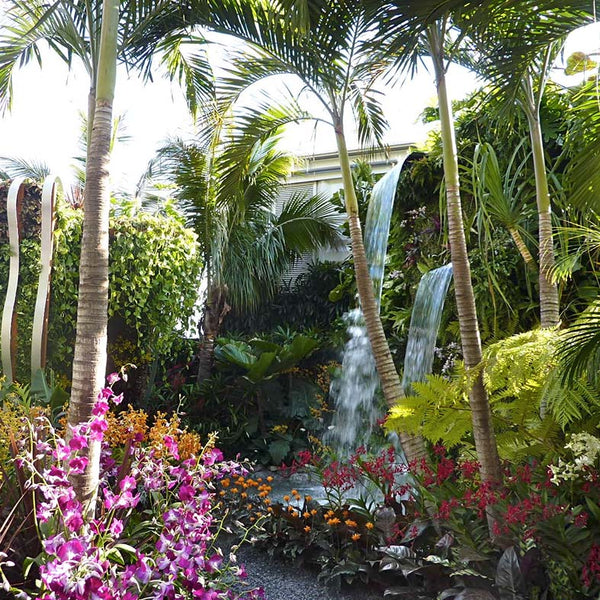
154 279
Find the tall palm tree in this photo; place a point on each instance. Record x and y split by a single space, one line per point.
91 30
89 363
414 29
227 186
322 44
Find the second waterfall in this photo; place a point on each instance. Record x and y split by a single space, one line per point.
354 389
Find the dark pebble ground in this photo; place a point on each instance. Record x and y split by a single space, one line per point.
281 580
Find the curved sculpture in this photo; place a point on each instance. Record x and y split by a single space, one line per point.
9 320
40 318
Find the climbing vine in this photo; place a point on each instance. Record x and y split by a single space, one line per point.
154 278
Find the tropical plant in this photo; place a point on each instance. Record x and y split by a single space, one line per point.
278 401
322 46
500 197
228 188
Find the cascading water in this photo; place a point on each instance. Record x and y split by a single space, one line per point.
424 325
377 226
353 390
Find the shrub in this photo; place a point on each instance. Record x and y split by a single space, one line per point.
152 534
154 274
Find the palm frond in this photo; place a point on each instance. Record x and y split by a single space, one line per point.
243 145
21 167
191 69
369 115
308 223
579 346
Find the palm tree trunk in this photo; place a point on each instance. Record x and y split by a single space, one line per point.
413 446
215 310
89 364
549 303
483 430
522 248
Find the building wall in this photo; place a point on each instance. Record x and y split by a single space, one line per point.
320 174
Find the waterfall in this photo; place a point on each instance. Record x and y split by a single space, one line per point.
353 390
424 324
377 226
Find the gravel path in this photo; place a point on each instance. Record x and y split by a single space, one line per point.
282 581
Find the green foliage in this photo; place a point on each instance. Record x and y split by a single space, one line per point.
154 270
529 411
302 304
267 396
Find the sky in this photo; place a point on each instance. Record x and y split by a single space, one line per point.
44 123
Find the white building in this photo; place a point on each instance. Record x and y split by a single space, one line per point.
320 174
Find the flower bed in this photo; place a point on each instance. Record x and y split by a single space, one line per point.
153 532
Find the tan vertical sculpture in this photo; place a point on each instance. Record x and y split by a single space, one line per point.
39 334
9 318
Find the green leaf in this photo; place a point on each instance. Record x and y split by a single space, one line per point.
278 449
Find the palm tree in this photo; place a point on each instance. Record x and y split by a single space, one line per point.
412 30
227 186
322 44
91 30
89 363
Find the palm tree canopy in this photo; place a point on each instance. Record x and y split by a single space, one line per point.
228 188
71 29
328 56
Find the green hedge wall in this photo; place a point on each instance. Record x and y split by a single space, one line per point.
154 278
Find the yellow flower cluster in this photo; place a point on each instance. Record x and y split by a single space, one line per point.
12 416
129 423
125 425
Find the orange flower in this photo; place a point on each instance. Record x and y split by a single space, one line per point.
222 493
270 509
244 495
334 521
313 512
269 479
306 515
307 529
369 525
356 537
350 523
234 490
308 498
294 492
286 498
294 513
